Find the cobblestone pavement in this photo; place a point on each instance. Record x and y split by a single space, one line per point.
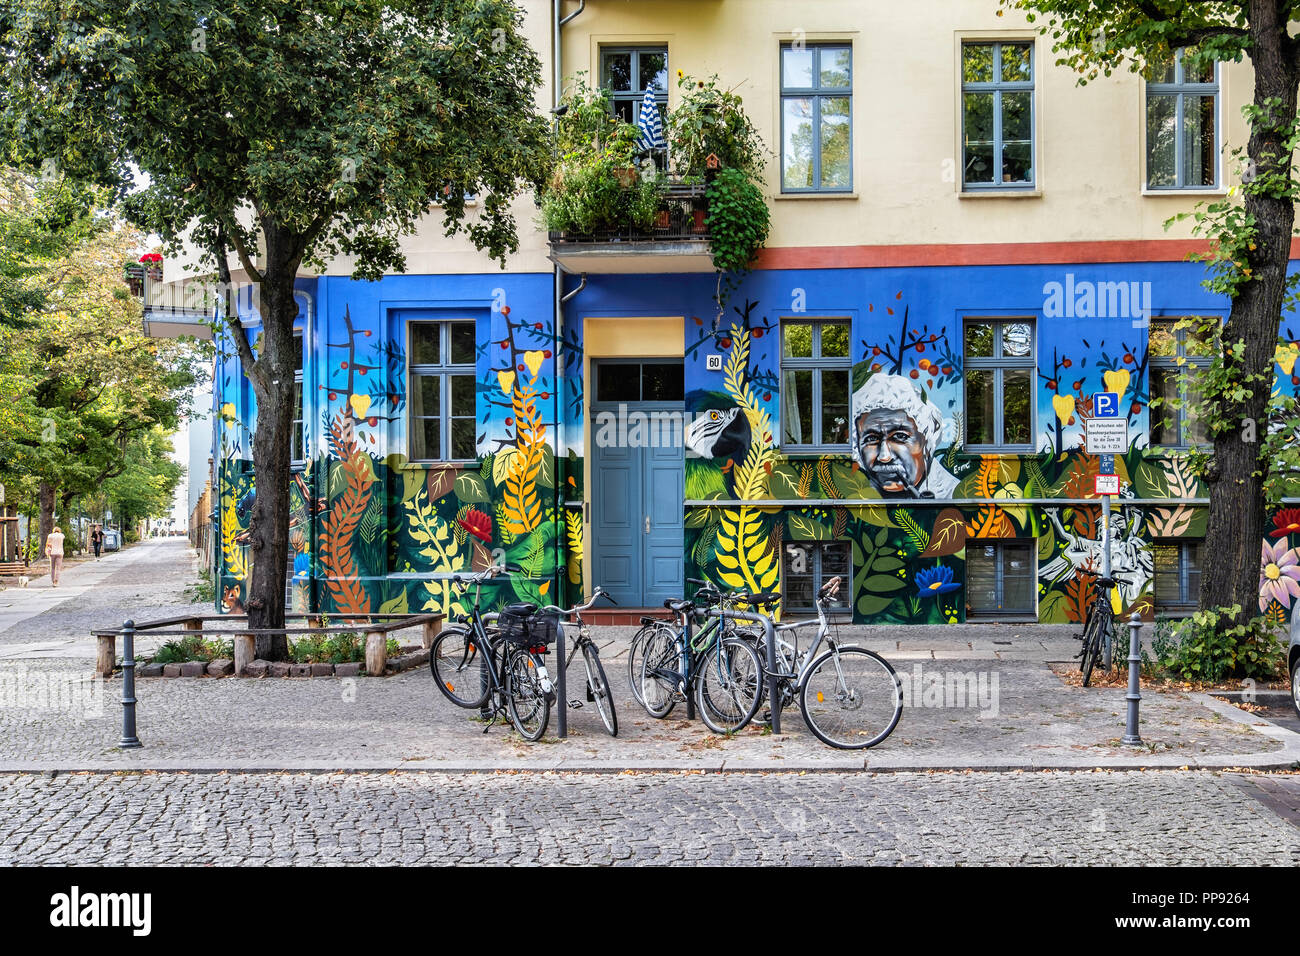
52 710
332 819
147 580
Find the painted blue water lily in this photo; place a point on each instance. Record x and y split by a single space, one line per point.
301 566
931 582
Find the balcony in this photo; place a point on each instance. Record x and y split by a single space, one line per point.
678 240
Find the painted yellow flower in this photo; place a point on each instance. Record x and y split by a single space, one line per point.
1286 356
228 411
1117 381
1064 405
534 361
507 380
360 405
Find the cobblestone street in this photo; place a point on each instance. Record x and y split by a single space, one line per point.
994 819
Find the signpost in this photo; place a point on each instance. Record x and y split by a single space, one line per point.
1106 436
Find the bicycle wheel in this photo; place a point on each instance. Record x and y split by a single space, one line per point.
728 685
530 705
1093 634
851 699
600 689
459 668
635 655
659 677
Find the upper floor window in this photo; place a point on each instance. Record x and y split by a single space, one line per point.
627 72
815 371
1182 126
1176 355
816 118
999 362
440 391
299 450
997 108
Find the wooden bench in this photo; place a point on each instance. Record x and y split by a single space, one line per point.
245 642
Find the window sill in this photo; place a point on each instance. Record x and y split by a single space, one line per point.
471 464
816 195
1180 193
1000 193
975 452
809 451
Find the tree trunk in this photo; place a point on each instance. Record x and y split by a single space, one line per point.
272 454
1237 516
47 493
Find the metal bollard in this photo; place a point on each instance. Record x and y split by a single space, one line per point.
562 686
129 739
1134 695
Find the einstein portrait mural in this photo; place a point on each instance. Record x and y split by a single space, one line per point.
897 433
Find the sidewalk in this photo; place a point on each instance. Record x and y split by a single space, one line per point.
1027 720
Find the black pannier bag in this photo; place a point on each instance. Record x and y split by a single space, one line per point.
543 628
514 622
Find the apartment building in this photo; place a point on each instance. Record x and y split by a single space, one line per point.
966 247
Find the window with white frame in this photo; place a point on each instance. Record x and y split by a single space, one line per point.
1177 574
441 389
1001 578
1182 125
1177 353
299 453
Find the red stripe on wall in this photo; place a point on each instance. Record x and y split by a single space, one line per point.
984 254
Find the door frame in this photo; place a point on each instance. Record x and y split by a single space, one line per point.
617 336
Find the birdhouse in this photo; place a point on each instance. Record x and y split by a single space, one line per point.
712 161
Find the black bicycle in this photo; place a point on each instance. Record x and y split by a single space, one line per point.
598 689
1098 631
499 669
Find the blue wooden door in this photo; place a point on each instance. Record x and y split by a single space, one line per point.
637 486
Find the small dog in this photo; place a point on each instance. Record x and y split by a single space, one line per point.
23 580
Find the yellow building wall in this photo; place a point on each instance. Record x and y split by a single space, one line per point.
906 119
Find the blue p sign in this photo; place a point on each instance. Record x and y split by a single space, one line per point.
1105 404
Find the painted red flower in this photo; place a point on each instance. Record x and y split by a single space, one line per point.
478 524
153 258
1287 521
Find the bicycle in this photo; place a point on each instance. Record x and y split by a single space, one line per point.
851 698
720 668
598 688
1098 631
499 671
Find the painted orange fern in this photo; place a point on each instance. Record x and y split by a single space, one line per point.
341 524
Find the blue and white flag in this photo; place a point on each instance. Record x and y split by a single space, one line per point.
652 127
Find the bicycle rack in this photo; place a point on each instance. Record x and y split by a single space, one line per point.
769 632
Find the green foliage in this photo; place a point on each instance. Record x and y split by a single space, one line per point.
596 185
738 222
196 648
203 591
1215 644
709 120
344 648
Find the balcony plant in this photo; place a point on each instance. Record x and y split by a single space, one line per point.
712 138
596 186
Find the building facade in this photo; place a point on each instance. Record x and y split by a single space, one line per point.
966 248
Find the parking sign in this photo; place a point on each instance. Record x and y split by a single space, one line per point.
1105 404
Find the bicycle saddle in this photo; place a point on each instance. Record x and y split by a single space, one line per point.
1106 582
767 597
523 609
678 607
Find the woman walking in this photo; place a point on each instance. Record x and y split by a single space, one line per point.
54 551
96 540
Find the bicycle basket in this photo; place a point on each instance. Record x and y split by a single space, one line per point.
513 622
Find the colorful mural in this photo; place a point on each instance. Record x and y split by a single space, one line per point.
373 531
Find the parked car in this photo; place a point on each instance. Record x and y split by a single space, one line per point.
112 539
1293 658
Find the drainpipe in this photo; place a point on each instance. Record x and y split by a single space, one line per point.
561 441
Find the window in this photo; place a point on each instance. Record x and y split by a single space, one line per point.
999 358
1176 354
627 72
299 453
627 382
814 385
1001 578
1182 126
806 566
816 123
441 391
1177 574
997 93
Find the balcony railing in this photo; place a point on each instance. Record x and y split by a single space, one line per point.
677 242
